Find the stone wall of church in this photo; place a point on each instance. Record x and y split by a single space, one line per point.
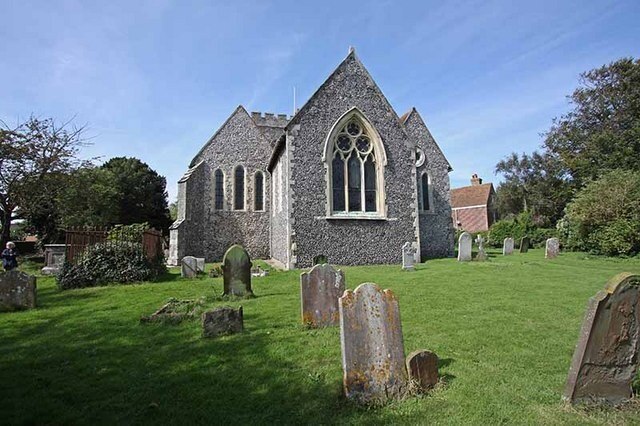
436 228
238 142
280 210
349 241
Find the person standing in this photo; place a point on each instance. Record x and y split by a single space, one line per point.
10 257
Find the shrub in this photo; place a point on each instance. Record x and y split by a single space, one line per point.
522 225
604 218
105 263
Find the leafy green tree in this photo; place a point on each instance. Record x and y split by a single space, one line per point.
602 131
30 154
142 195
535 183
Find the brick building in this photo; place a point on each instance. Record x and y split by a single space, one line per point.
473 207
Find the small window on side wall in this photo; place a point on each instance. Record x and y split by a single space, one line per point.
424 192
258 192
238 189
218 190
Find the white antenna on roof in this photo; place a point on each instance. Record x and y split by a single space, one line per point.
294 100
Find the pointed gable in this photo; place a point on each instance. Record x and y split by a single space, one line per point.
418 130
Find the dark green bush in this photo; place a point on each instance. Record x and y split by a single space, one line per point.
604 218
106 263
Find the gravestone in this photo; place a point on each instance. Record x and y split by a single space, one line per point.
372 346
320 289
422 366
507 246
320 259
53 258
482 255
552 248
222 321
200 265
189 267
464 247
605 360
524 244
236 270
17 291
408 256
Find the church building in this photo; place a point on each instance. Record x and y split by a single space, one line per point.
344 177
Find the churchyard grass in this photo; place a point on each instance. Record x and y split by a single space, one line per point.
504 331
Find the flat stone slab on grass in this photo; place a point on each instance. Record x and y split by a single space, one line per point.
372 345
605 360
422 366
17 291
320 289
222 321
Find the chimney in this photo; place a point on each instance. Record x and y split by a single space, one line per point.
475 180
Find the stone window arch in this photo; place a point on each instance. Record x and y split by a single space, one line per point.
355 160
218 189
238 188
258 191
425 192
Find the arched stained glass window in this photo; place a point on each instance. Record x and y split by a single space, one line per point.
238 189
354 180
218 190
258 191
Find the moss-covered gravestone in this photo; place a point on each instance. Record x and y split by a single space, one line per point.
17 291
236 269
372 346
605 361
320 289
525 242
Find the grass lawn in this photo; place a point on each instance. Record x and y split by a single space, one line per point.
504 330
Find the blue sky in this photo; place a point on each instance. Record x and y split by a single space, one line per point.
155 79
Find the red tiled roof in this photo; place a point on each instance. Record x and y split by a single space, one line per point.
474 195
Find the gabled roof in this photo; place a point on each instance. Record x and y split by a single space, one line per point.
413 113
239 109
473 195
350 57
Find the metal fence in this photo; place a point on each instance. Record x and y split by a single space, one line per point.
78 240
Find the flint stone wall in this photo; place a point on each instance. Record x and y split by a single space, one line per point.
17 291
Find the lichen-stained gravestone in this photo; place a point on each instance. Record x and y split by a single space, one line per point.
552 248
464 247
524 244
482 255
372 345
408 256
605 360
236 269
17 291
189 267
320 289
507 246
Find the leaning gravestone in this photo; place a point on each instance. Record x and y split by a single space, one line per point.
422 366
524 244
236 270
17 291
372 346
222 321
606 358
482 255
507 247
320 289
189 267
464 247
552 248
408 256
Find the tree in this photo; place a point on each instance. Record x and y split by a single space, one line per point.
142 195
29 153
536 183
602 132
